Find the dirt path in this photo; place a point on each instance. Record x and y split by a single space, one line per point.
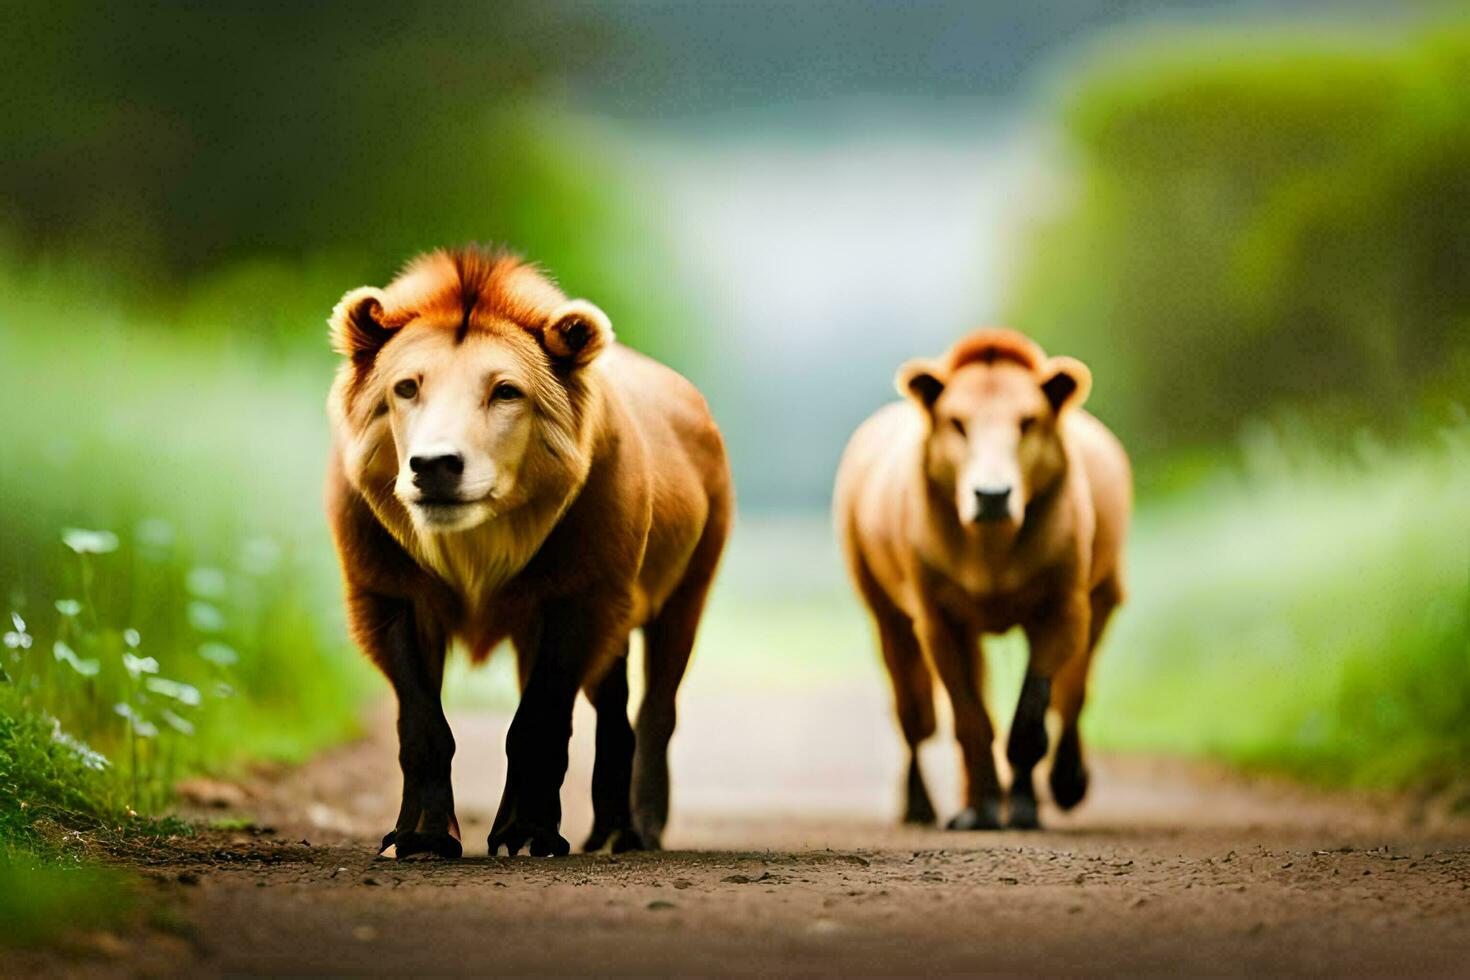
787 859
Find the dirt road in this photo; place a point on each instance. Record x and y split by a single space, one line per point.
785 858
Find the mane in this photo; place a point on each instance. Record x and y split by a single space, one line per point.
485 290
473 287
996 345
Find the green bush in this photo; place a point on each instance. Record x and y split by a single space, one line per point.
1309 614
1262 222
227 151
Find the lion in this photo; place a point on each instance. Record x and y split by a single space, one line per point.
987 499
502 469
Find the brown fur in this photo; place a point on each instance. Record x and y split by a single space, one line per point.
936 579
991 346
613 519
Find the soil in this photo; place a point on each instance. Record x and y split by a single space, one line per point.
786 856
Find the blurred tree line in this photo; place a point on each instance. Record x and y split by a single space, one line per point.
288 151
1262 224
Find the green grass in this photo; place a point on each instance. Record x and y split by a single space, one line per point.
199 459
51 783
195 623
58 803
1310 615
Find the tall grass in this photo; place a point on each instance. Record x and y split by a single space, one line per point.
168 599
58 799
1305 613
164 558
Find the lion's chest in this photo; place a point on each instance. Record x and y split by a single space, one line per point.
993 595
477 564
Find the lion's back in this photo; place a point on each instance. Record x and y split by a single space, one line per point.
1110 486
868 499
689 473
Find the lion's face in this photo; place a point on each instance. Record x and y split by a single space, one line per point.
993 440
462 411
462 419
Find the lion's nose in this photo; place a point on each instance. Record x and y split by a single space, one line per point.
994 503
436 474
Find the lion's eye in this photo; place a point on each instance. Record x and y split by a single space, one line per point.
1027 424
958 426
406 388
505 391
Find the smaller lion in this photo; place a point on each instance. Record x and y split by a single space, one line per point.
501 469
988 499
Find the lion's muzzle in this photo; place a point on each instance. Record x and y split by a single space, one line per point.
437 477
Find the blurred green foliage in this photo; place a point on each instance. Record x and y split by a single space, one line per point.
1263 222
205 133
1264 247
40 900
166 554
227 148
1307 612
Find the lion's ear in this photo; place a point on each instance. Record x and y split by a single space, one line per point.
359 325
1066 382
920 380
576 332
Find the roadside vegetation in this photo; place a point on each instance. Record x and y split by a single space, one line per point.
1257 222
1305 612
163 576
165 599
57 803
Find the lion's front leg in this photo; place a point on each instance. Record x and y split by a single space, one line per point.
410 651
572 638
426 822
1055 638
